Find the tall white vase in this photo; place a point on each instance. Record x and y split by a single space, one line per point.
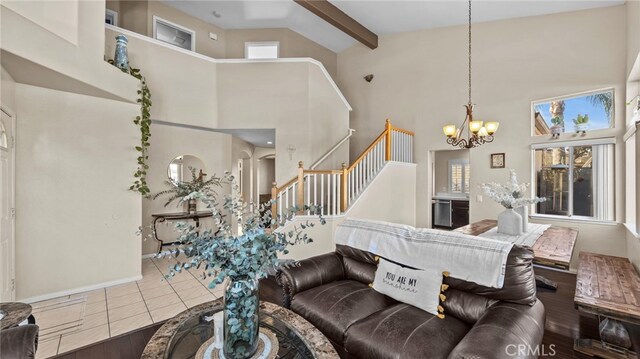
524 213
510 222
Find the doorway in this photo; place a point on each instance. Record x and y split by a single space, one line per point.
450 178
7 210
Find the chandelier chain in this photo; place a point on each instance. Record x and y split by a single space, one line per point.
469 51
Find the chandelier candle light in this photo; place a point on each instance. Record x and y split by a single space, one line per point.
478 132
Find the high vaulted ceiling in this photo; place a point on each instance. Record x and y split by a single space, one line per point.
381 17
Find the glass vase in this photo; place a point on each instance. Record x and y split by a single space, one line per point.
121 58
241 320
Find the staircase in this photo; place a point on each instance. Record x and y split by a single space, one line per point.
335 190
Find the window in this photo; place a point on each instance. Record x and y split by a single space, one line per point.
111 17
261 50
459 174
631 180
174 34
578 113
576 178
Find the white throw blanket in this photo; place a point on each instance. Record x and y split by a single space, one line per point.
525 239
474 259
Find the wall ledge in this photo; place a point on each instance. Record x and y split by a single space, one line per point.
235 61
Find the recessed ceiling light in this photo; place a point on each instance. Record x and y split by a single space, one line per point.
216 14
269 143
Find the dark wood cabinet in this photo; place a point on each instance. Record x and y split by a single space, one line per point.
459 213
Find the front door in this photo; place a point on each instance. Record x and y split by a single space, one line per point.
7 209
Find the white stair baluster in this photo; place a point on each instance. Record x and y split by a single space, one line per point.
307 198
322 194
315 189
335 194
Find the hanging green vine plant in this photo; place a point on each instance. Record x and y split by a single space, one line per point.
143 121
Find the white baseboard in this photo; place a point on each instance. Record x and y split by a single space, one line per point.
80 290
147 256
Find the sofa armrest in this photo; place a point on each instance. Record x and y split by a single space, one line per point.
506 330
310 273
19 342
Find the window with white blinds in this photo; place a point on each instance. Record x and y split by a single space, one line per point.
459 174
577 178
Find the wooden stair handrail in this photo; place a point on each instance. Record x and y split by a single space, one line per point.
344 171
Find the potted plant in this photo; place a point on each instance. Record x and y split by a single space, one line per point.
514 220
240 256
180 190
582 123
558 125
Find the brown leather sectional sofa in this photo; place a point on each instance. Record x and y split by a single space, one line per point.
332 292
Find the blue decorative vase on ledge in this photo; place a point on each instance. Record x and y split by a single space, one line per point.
121 58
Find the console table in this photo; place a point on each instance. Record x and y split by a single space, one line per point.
177 216
553 249
608 287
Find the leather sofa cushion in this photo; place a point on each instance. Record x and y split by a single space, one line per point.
360 271
334 307
404 331
467 307
19 342
361 256
519 280
507 327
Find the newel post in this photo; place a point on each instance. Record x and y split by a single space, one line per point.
387 152
300 194
274 199
343 189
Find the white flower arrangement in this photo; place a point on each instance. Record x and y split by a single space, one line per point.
510 195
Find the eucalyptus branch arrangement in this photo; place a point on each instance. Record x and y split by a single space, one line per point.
243 257
511 194
143 121
180 190
221 253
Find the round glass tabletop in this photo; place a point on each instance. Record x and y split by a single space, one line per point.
181 336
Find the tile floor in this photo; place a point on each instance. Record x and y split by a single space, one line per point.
74 321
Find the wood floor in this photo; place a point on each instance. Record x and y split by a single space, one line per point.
128 346
563 324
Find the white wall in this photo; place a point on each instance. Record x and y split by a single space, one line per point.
7 89
58 17
295 98
267 170
76 220
183 87
391 197
67 39
421 84
633 88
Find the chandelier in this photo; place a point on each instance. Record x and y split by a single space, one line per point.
478 132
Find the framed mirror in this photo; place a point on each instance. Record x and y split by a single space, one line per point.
179 170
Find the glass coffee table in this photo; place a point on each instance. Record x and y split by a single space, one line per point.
181 336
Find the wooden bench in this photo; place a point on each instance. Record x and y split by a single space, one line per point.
608 287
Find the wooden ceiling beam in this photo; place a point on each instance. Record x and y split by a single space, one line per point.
336 17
